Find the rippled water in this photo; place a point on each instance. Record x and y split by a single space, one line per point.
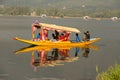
18 67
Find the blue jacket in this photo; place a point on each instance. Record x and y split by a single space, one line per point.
78 39
38 36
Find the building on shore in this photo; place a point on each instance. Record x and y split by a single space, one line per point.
86 17
114 18
33 13
43 16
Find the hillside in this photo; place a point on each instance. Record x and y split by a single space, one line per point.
63 3
74 8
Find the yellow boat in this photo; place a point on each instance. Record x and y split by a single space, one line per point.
57 43
53 27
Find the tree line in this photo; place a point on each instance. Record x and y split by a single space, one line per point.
51 11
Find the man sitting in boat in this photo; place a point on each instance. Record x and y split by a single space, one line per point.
87 36
77 38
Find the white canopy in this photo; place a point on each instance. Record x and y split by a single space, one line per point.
56 27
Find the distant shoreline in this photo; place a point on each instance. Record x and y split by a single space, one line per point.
57 17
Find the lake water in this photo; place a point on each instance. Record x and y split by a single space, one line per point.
79 66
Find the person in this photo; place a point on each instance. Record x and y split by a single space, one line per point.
36 22
77 38
87 36
61 37
56 34
38 36
44 34
66 35
53 37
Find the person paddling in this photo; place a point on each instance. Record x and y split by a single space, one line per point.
87 36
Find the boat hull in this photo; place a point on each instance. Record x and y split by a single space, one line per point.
58 43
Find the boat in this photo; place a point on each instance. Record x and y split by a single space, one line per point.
58 43
44 41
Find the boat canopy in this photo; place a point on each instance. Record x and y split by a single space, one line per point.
55 27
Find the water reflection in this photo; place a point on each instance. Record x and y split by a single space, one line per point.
86 52
54 58
44 56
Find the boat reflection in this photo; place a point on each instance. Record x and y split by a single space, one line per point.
56 57
44 56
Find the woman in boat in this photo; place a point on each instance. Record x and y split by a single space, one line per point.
44 34
61 37
65 36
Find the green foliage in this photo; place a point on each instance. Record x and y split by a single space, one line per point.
72 8
16 11
113 73
52 11
97 69
62 3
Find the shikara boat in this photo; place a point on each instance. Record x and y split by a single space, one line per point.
48 42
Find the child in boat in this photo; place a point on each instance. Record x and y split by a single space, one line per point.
37 38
